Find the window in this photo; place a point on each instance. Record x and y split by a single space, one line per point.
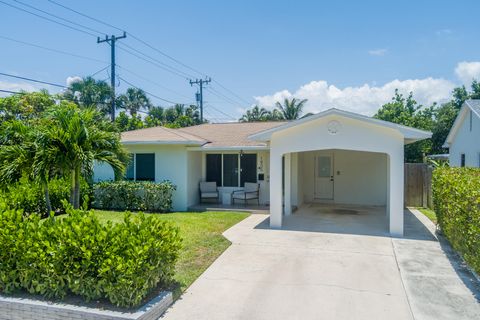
462 160
214 168
248 168
231 169
145 167
141 167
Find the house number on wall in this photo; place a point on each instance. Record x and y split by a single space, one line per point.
334 127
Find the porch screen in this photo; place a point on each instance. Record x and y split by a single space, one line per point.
145 166
214 168
248 168
230 170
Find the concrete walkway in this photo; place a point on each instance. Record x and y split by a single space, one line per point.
311 270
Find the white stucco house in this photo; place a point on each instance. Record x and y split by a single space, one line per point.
333 156
463 139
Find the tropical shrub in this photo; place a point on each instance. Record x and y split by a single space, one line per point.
28 196
78 255
456 196
135 196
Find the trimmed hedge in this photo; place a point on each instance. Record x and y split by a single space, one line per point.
456 196
29 196
135 196
78 255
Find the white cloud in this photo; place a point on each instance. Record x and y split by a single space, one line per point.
368 98
467 71
365 99
16 87
378 52
73 79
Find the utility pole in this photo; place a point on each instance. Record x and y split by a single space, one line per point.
199 96
111 40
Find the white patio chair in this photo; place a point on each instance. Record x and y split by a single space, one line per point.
250 191
208 190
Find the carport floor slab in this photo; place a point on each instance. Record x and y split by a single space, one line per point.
284 274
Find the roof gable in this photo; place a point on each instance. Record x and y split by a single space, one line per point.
468 105
410 134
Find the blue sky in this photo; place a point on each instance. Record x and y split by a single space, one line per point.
346 54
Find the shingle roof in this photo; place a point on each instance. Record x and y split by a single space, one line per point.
471 104
474 104
234 134
160 135
209 135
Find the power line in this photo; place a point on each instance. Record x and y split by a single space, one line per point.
231 92
33 80
151 47
222 96
152 62
158 61
12 92
220 111
48 19
131 35
153 82
150 94
52 50
58 17
94 74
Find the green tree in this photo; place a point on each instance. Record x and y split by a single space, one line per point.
27 152
444 117
155 117
25 106
126 123
408 112
89 92
256 114
78 137
291 109
134 100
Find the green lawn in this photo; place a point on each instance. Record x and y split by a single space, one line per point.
429 213
202 240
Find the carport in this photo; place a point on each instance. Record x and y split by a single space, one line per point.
337 157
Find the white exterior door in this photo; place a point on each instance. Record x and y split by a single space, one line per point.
324 176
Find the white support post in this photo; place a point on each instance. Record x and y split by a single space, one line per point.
275 190
288 184
395 194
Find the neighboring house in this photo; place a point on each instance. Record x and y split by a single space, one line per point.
463 139
333 156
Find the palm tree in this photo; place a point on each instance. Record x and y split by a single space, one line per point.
77 138
134 100
27 153
256 114
291 109
89 92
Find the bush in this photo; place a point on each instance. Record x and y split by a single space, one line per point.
135 196
78 255
456 196
28 196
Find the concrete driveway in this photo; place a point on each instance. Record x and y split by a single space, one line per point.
315 269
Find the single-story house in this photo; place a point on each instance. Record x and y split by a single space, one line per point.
334 156
463 139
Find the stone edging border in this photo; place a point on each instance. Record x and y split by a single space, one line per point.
29 309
